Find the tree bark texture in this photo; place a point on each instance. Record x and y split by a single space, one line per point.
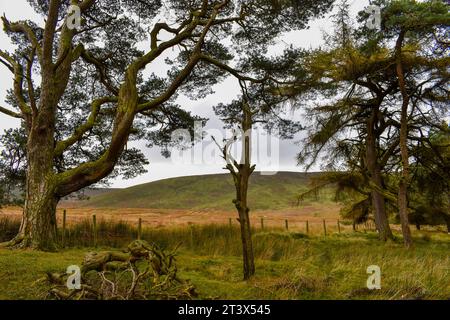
373 167
405 177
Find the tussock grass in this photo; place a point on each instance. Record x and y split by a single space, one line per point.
8 228
328 268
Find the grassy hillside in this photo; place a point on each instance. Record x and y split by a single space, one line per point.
207 192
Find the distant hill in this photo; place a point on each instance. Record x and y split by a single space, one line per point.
206 192
87 193
16 195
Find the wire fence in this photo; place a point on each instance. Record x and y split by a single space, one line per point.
318 227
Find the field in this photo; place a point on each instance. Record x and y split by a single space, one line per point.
291 262
289 266
166 218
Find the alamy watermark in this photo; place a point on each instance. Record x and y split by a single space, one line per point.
204 150
74 279
73 20
374 20
374 280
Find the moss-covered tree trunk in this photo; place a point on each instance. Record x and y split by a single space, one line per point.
373 167
38 228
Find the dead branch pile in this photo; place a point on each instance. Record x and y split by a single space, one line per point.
142 272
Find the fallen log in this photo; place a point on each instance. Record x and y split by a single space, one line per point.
142 271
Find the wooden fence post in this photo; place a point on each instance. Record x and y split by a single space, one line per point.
64 229
324 227
262 223
192 235
307 227
94 221
140 229
286 222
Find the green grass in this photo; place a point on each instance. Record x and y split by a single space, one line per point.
208 192
289 265
20 271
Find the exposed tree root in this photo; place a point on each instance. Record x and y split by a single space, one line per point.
22 242
14 243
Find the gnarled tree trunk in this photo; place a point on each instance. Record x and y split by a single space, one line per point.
241 173
38 229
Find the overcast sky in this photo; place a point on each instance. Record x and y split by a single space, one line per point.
160 167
